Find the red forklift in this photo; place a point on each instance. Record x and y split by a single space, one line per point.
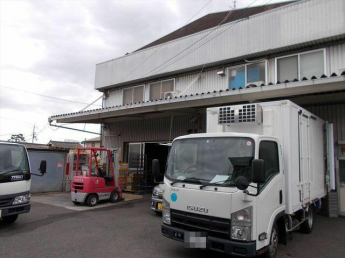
95 180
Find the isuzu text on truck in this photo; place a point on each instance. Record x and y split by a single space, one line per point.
15 180
256 175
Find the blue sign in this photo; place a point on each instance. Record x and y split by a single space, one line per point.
173 197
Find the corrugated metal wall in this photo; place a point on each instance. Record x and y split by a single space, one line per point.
334 113
289 27
52 180
210 81
151 130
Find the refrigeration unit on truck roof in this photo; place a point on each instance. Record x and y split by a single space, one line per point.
255 176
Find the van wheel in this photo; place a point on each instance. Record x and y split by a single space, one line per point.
273 246
76 203
10 219
114 196
308 225
92 200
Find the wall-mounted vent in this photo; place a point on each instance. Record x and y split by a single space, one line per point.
251 113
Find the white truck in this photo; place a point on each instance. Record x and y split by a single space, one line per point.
258 174
15 180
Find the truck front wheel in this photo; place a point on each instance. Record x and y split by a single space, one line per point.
273 247
10 219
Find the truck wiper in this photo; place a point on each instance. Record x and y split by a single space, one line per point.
189 180
12 170
214 183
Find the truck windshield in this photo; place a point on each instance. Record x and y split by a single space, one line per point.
215 160
13 159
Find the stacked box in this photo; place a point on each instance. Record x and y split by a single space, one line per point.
123 173
133 182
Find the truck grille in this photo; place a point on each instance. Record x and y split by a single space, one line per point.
5 202
213 226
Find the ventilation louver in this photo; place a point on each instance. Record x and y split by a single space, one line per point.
250 113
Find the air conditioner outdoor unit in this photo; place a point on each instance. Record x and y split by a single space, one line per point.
171 94
255 84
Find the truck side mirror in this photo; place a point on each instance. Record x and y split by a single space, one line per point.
258 171
155 167
242 183
43 167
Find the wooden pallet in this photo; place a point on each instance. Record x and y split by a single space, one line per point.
134 192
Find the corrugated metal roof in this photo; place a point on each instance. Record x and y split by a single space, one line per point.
292 27
68 145
96 139
202 99
213 20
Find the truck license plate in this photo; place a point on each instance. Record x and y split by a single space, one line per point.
159 206
195 240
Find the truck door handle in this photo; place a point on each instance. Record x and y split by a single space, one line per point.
280 196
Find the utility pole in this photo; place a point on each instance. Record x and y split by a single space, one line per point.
33 134
235 4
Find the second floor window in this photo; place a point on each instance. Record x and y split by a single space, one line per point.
242 76
301 65
157 89
133 95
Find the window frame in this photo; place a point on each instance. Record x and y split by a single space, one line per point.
246 72
132 89
299 62
161 83
279 160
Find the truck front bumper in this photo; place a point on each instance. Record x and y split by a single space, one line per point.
240 249
14 210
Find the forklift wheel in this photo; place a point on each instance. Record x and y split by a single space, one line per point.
92 200
114 196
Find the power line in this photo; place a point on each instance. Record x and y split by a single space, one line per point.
46 96
42 129
16 120
215 28
210 40
162 45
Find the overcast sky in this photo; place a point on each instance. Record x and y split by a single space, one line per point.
51 48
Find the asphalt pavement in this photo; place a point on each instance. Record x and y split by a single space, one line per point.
131 229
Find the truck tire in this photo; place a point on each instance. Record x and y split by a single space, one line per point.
273 246
10 219
114 196
76 203
92 200
308 225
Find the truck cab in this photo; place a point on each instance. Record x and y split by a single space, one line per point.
201 178
15 179
249 182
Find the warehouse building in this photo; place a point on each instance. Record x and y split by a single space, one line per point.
291 50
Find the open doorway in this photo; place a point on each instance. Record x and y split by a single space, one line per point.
140 156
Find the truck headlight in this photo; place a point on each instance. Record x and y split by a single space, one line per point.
21 199
241 224
166 212
154 193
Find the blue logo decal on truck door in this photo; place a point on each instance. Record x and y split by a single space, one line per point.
173 197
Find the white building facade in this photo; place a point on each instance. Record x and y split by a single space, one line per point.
295 51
